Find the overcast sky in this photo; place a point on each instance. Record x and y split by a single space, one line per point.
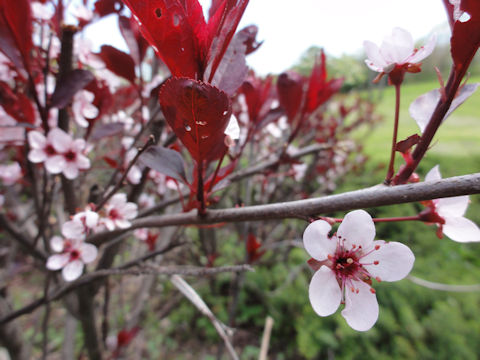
289 27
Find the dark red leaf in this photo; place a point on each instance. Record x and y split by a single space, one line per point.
111 162
69 85
405 145
253 248
198 113
179 34
17 105
221 175
319 89
17 16
258 96
290 92
131 33
220 30
165 25
107 7
466 36
118 62
8 47
166 161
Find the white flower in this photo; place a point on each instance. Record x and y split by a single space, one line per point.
349 260
74 253
42 11
10 174
398 49
119 212
83 108
59 152
451 211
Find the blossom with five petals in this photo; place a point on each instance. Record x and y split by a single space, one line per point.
74 252
448 214
118 212
347 262
397 55
59 152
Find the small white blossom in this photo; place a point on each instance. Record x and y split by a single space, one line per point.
347 262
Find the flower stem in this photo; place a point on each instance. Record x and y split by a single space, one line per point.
391 169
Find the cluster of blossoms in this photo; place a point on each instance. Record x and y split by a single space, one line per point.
74 251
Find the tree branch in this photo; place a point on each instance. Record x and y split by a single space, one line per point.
379 195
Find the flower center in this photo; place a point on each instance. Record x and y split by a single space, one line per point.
70 155
346 265
50 150
114 214
74 255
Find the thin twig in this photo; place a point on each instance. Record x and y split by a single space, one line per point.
443 287
144 270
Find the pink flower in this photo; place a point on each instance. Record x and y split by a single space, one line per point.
397 54
59 152
10 174
448 213
119 212
347 262
74 253
83 108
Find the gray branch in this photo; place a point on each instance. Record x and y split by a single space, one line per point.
379 195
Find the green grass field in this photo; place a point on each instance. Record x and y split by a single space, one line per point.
456 143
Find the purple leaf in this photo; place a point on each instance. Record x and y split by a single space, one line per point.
421 109
232 70
106 130
166 161
66 89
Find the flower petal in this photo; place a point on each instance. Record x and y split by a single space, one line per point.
357 228
57 261
60 140
70 170
37 155
375 60
461 229
433 174
56 243
397 47
88 253
453 207
324 293
233 129
73 229
73 270
316 240
361 308
36 140
424 51
395 261
55 164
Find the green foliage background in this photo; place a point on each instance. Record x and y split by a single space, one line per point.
414 323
